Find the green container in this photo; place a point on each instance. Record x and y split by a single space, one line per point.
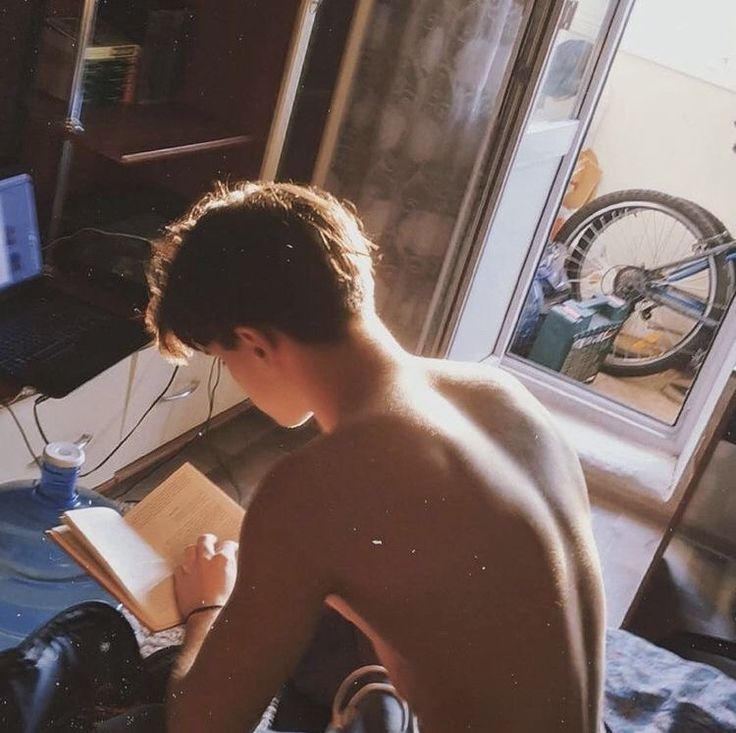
576 336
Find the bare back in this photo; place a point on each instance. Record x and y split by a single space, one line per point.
461 544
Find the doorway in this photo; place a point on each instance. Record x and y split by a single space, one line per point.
622 215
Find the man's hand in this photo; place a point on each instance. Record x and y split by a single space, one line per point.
207 575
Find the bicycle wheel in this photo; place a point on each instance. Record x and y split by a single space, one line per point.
622 235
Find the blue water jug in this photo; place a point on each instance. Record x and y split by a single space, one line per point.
37 578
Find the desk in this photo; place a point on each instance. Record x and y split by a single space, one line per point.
9 390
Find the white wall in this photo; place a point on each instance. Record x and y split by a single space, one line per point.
662 128
695 37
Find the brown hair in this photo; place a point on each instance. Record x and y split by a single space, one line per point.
267 255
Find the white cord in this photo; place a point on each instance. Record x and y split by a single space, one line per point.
98 231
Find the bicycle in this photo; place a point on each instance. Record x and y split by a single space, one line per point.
669 259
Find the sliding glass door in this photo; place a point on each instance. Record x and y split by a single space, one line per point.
422 86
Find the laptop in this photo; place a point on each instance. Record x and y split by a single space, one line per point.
50 339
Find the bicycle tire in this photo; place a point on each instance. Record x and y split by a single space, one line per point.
580 231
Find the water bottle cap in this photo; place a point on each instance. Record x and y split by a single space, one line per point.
64 455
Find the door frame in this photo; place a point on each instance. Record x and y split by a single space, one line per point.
680 440
447 309
300 40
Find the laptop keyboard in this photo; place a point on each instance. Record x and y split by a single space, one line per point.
41 331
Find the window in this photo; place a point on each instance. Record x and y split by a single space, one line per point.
606 277
640 269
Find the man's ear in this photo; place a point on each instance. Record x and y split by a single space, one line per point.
260 343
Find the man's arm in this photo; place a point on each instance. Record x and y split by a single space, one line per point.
235 660
203 583
196 630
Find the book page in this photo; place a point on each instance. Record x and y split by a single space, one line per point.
137 554
184 506
157 614
127 556
76 549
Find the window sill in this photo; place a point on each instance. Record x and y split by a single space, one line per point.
628 545
629 486
617 466
620 460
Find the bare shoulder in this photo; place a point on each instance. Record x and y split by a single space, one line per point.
482 387
309 501
377 452
486 377
286 516
511 417
366 445
289 479
310 474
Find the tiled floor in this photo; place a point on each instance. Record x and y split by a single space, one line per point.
658 395
235 455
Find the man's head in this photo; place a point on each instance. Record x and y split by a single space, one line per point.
256 262
272 256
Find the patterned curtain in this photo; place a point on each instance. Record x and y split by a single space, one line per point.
426 85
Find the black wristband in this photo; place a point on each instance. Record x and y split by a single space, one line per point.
199 609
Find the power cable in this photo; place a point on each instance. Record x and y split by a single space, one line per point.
23 434
201 433
135 427
36 403
104 232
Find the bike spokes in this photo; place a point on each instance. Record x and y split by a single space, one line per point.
657 258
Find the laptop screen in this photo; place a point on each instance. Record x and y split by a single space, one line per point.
20 247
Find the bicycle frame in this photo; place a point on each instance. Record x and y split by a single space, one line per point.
663 292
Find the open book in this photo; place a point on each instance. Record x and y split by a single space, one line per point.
134 556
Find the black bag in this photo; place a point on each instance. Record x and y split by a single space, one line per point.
80 667
84 666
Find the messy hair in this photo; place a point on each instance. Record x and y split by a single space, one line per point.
269 255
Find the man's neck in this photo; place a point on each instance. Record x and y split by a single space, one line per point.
345 380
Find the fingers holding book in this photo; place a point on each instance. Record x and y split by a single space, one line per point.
207 574
130 555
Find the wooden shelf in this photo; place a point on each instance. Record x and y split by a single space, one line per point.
132 134
135 134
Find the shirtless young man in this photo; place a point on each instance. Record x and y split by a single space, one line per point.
440 510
